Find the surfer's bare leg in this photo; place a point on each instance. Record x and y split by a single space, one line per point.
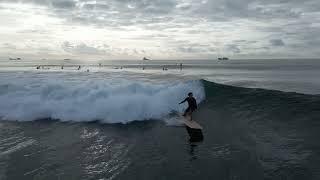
186 112
190 113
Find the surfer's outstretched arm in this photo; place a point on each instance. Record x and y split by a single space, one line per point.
183 101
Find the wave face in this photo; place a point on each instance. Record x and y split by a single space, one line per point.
113 100
255 103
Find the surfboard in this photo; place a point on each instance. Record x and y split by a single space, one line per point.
191 124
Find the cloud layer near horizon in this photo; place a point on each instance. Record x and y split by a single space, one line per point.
161 29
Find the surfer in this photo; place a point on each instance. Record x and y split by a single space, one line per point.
192 105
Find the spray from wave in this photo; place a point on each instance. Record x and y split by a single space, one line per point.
109 101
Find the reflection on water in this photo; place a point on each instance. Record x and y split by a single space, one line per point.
104 157
195 138
195 135
193 151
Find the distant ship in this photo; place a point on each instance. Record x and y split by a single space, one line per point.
146 59
223 58
14 59
67 59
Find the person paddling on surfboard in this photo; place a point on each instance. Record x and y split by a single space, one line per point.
192 105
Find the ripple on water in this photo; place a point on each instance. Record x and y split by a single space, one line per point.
105 157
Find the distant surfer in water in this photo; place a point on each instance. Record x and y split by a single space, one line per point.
192 104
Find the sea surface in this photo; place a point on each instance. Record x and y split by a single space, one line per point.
121 119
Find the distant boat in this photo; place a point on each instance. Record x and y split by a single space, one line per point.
223 58
67 59
146 59
14 59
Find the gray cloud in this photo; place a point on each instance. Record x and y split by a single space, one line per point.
133 12
277 42
9 46
65 4
233 48
190 27
96 7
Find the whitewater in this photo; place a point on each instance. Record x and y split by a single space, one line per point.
82 96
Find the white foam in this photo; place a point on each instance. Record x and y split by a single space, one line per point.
84 98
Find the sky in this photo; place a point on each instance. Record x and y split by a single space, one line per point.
159 29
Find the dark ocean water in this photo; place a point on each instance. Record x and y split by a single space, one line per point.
249 133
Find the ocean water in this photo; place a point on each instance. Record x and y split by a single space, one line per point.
120 120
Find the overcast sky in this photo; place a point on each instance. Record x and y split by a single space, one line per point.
159 29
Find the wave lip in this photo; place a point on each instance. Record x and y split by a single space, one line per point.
109 101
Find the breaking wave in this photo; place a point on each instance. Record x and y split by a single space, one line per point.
109 101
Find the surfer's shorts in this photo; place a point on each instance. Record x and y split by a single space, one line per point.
189 110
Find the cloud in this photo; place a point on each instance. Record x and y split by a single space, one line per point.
184 6
277 42
180 28
82 48
9 46
64 4
95 7
233 48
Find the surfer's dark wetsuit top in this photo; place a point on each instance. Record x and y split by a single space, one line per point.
192 104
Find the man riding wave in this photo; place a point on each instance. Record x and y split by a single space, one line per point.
192 105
